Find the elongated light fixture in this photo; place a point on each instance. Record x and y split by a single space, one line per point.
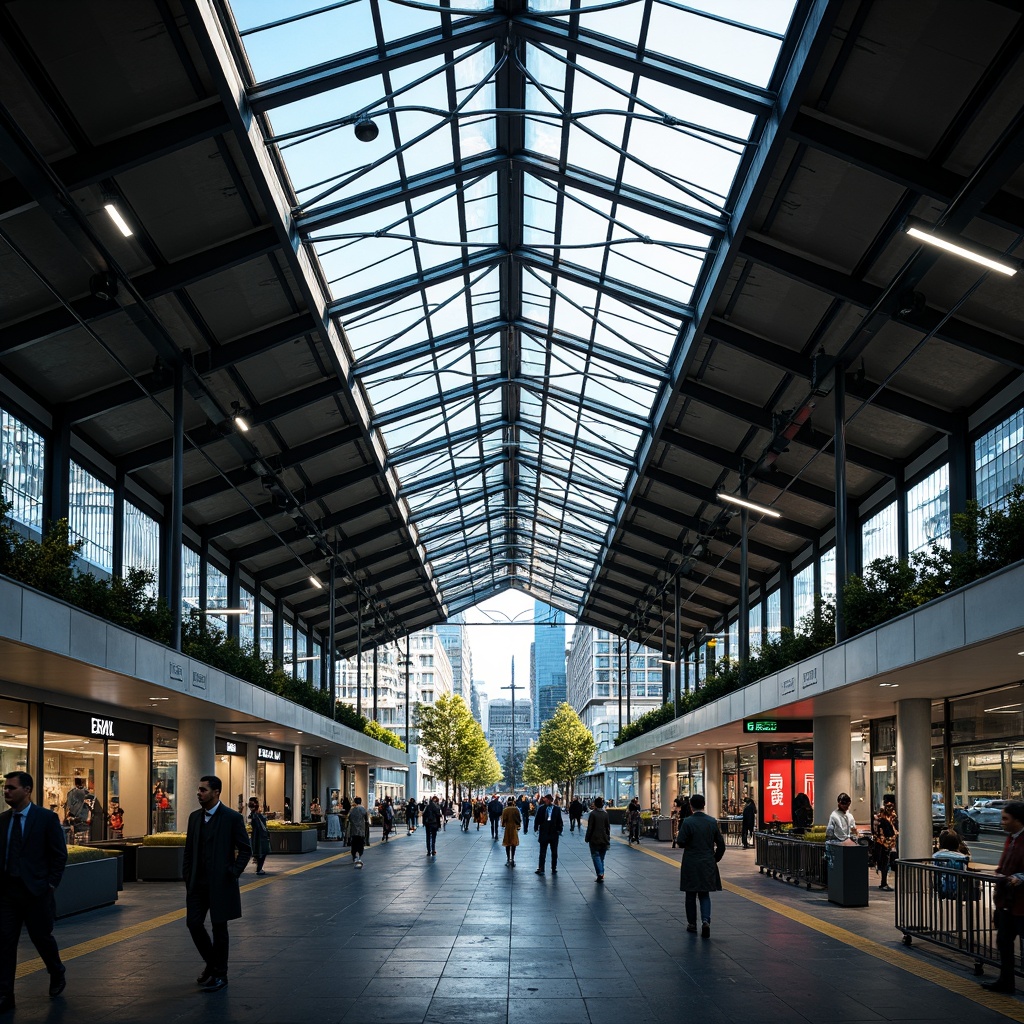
948 245
763 509
115 216
315 580
224 611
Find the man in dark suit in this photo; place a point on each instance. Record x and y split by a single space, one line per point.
548 826
1009 897
33 853
216 851
494 809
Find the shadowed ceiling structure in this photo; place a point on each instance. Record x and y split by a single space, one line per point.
508 293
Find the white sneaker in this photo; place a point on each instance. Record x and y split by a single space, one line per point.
359 863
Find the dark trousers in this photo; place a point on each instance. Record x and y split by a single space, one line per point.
358 844
494 826
551 841
37 913
215 952
431 838
575 823
526 823
1008 930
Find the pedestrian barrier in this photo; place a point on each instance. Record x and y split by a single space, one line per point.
949 907
794 860
732 831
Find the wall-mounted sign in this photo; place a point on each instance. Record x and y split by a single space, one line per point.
224 746
777 725
787 685
198 680
176 671
84 723
269 754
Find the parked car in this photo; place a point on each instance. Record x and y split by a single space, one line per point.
962 821
987 813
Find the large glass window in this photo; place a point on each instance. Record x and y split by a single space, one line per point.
164 779
288 648
928 512
22 451
189 579
827 572
999 461
803 594
773 615
266 630
91 517
880 536
216 596
301 653
141 543
246 621
316 665
755 628
733 647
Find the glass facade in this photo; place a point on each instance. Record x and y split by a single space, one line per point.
773 615
548 660
880 536
755 628
803 594
266 630
141 544
216 596
928 512
827 571
91 517
247 620
189 579
999 461
22 470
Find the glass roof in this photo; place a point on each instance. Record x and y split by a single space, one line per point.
514 254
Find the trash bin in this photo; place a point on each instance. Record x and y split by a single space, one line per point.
847 874
664 830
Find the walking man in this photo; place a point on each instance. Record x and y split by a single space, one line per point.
1009 897
431 824
599 836
749 821
575 814
703 847
523 804
357 830
217 849
33 853
494 810
548 826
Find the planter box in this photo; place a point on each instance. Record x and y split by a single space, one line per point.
159 864
293 842
85 886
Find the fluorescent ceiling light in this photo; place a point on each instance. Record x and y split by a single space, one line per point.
241 424
115 216
295 661
1002 709
224 611
764 510
946 245
892 685
316 582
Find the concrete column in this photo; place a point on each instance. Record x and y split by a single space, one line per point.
197 756
362 777
713 782
832 767
297 786
668 784
913 776
643 788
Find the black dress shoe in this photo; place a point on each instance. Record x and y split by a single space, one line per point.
215 984
998 986
58 982
204 977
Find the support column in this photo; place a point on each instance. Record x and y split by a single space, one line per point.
842 569
913 776
176 508
668 784
677 682
362 777
832 767
56 472
117 559
713 782
297 785
197 756
329 677
743 625
644 785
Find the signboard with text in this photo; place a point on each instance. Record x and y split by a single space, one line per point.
782 779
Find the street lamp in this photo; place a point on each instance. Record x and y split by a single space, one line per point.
512 752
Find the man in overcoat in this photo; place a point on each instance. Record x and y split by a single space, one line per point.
548 826
217 850
1009 897
703 847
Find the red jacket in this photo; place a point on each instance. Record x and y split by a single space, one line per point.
1011 863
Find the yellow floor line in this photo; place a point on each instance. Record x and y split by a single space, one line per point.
1005 1005
122 934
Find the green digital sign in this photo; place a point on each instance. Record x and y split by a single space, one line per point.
776 725
761 725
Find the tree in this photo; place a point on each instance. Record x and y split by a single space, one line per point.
485 770
565 750
533 774
512 764
450 737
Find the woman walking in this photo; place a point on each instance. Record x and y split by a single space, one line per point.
511 820
260 835
599 836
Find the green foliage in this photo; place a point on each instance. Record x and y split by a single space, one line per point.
565 750
456 749
376 731
165 839
888 588
83 854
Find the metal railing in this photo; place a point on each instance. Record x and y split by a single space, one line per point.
949 907
793 860
732 831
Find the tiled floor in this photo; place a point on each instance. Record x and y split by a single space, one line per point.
461 938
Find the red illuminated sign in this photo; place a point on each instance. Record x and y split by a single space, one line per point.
777 784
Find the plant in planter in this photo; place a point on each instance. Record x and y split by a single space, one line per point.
90 881
161 857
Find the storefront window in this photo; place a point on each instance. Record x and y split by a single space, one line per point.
164 777
14 740
231 770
